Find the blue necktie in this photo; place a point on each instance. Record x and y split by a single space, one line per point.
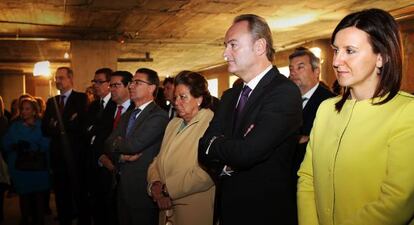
131 121
242 101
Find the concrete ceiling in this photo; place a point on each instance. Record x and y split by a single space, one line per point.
178 34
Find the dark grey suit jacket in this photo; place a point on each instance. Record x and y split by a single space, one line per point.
145 137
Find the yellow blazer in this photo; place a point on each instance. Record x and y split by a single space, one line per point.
359 164
190 187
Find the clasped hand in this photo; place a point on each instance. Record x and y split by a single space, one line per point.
164 202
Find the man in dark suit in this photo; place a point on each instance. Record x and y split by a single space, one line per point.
137 140
104 177
304 69
98 127
168 84
63 122
97 117
250 143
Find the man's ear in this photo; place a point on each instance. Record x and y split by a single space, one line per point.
152 88
260 46
317 72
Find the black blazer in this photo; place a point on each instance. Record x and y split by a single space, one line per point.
100 125
261 151
309 112
145 137
65 149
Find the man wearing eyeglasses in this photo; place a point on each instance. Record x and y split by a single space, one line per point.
63 122
98 128
104 207
137 140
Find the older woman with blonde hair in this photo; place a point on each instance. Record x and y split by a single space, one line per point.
27 153
183 191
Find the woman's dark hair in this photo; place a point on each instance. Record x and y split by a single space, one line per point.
197 84
384 36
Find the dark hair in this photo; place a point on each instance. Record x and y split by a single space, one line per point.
259 29
197 84
385 40
168 80
152 77
125 75
69 71
105 71
301 51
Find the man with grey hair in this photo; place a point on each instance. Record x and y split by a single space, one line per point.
250 143
304 69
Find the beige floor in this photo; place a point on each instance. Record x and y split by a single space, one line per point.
12 211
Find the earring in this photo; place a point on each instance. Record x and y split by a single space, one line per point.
379 70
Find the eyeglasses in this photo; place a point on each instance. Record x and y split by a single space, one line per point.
138 81
99 82
115 85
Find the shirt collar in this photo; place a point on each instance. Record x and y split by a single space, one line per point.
142 107
126 104
106 99
253 83
67 94
309 94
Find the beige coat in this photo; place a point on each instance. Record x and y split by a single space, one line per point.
189 186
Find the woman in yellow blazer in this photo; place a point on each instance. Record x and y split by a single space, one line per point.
183 191
358 167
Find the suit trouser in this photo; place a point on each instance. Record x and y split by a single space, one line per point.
136 216
66 195
104 198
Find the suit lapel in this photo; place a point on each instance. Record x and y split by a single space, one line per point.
313 99
109 111
131 106
258 92
232 108
68 104
142 116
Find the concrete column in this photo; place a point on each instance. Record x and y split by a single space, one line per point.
88 56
